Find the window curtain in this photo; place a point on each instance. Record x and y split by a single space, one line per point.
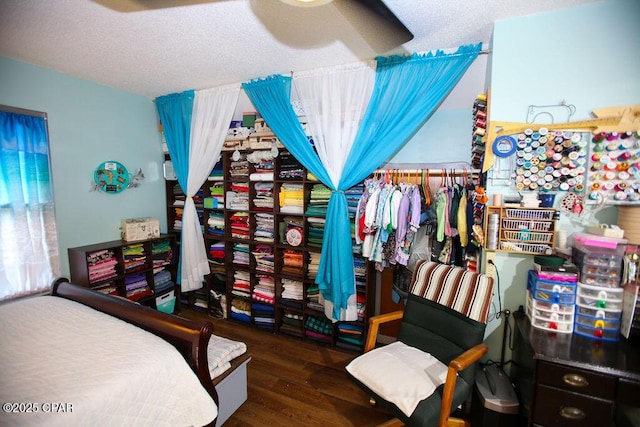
334 101
29 245
407 90
195 125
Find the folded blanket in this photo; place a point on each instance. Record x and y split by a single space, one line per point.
220 352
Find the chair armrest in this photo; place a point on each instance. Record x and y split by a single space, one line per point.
374 325
461 362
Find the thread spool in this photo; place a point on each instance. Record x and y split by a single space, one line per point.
561 239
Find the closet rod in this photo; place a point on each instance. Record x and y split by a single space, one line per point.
432 172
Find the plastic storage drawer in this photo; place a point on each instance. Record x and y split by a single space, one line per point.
595 322
601 257
598 313
599 297
597 333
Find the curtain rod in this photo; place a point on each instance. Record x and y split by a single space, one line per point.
485 52
431 172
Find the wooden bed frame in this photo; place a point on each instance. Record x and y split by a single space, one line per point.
190 338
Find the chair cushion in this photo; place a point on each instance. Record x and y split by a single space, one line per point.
461 290
399 374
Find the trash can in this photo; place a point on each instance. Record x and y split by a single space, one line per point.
494 403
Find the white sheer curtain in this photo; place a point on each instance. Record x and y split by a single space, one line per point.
212 114
334 100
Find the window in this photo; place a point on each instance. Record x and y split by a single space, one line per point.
28 238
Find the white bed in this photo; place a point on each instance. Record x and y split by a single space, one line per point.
103 370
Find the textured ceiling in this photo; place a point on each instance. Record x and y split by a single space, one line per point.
155 51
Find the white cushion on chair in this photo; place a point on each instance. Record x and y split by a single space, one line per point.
400 374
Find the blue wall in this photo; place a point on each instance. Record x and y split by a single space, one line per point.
587 56
89 124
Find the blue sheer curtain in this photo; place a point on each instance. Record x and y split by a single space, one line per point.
29 246
407 91
175 112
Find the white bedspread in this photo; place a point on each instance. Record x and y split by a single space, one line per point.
106 371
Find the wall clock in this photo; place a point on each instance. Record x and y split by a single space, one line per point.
111 177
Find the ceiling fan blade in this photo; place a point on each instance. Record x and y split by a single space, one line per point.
377 24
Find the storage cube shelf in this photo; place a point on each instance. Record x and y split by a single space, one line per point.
521 230
140 271
264 234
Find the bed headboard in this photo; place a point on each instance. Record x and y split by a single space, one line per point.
190 338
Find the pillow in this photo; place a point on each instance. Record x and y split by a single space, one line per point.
461 290
400 374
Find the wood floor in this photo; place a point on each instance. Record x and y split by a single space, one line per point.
292 382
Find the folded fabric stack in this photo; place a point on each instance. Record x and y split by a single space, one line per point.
360 273
312 177
319 328
162 281
314 264
264 164
134 256
264 196
350 336
240 225
136 286
292 323
178 205
319 201
264 228
240 168
177 222
263 315
108 289
241 310
217 193
313 298
291 198
241 284
216 224
217 173
220 352
238 197
240 253
161 252
316 231
216 257
101 265
289 223
290 167
353 196
293 262
292 293
264 291
263 254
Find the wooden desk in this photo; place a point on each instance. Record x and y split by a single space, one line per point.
570 380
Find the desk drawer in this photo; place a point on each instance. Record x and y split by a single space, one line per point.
558 408
577 380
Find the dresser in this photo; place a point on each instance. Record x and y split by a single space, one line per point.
570 380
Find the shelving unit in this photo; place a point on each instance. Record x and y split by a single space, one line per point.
522 230
140 271
274 225
264 257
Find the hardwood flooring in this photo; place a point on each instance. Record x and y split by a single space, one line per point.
292 382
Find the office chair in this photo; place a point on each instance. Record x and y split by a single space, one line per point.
429 371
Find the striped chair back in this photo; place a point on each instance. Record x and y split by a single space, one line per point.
461 290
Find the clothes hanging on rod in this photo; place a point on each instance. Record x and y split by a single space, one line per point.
396 203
